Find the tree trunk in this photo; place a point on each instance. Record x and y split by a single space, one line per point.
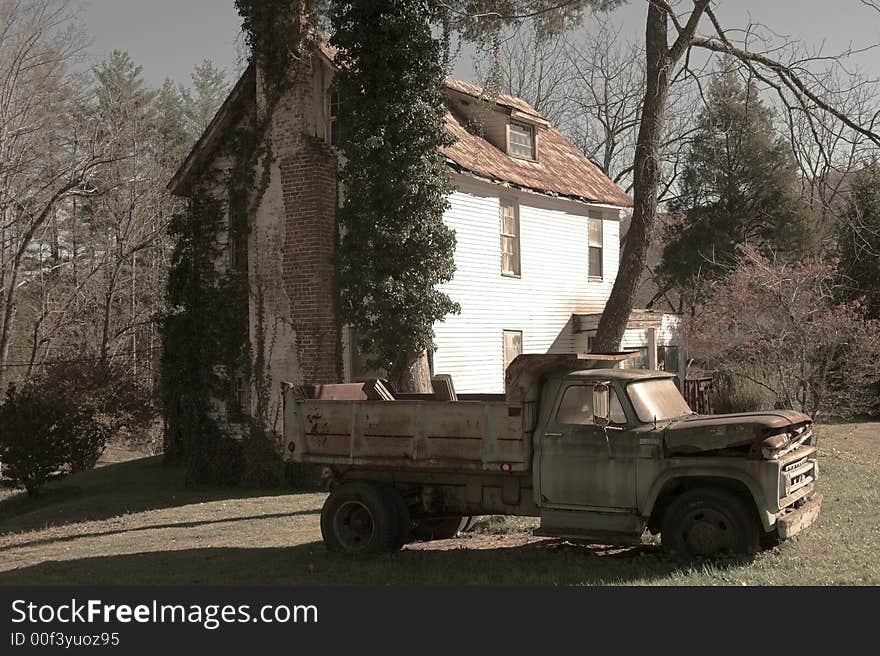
8 312
646 184
413 376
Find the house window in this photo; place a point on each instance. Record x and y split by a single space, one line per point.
238 228
522 141
334 129
510 251
596 237
513 346
239 401
667 358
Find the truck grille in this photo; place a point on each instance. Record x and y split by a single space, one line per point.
795 477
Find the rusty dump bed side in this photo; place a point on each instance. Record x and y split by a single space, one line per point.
482 433
456 436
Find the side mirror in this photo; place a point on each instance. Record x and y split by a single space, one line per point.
602 405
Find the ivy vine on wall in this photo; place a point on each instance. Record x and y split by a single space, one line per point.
207 348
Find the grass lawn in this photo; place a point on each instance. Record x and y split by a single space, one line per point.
135 523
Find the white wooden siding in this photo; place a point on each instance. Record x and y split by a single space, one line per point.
554 283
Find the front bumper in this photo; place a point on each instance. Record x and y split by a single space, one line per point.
795 521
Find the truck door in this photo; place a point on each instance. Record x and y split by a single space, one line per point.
579 466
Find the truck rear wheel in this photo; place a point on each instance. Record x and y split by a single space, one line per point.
362 518
709 522
439 528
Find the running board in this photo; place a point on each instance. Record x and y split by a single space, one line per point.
601 527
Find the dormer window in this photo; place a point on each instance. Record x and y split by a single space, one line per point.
521 140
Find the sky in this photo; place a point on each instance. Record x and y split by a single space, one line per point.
170 37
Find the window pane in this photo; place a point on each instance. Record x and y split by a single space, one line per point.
595 256
667 358
657 399
577 406
510 259
596 233
513 346
522 141
618 416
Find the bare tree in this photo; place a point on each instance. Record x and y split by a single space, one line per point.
534 68
590 84
49 151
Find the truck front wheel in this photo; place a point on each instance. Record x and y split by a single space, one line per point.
709 522
361 518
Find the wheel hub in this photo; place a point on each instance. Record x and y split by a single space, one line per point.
707 533
354 525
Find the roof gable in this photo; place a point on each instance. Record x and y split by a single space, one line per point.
561 169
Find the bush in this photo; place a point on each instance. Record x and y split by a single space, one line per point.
63 419
731 396
35 438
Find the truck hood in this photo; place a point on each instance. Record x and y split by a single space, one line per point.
716 432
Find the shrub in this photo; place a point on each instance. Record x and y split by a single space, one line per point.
731 395
782 327
64 417
34 437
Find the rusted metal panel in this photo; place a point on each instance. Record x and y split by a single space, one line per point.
698 394
465 434
707 433
797 520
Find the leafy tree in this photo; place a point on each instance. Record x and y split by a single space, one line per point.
859 239
738 187
395 248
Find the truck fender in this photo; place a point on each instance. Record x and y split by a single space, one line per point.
767 518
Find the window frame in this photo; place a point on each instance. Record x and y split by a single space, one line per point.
516 237
237 233
505 363
533 134
333 103
591 248
591 386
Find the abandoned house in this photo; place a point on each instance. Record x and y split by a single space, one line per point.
537 226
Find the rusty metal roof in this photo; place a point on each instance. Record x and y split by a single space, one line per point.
561 169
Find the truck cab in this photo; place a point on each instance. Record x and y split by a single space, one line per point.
619 451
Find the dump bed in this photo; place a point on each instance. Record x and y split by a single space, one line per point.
461 435
488 433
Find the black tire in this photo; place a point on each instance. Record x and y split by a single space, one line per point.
438 528
361 518
707 522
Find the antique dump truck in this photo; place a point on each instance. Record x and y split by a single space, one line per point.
599 453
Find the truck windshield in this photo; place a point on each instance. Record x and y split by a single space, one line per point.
657 399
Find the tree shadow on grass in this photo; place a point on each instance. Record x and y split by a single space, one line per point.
535 564
37 542
129 487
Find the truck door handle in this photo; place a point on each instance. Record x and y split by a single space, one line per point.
553 435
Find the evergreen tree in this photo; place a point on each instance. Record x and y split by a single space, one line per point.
173 138
859 240
395 248
209 89
738 187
